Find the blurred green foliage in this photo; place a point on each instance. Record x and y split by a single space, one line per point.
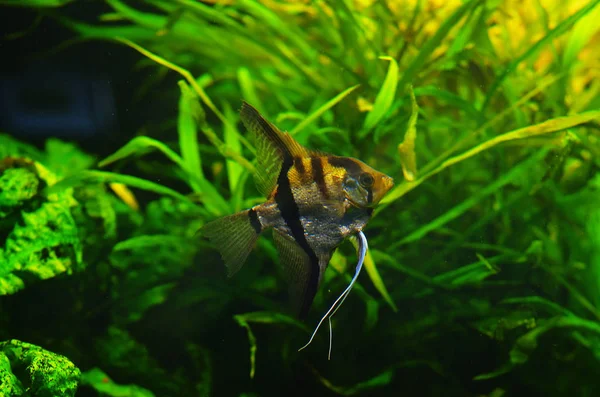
484 267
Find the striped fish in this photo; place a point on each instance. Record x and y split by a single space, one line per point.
313 202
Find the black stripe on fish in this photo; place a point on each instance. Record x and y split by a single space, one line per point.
254 221
299 165
344 162
291 215
318 174
369 195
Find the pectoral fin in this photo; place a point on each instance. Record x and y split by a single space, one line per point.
303 274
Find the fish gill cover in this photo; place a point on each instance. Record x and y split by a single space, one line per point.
483 274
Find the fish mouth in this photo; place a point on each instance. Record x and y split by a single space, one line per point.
359 206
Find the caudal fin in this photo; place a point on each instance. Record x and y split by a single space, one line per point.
234 236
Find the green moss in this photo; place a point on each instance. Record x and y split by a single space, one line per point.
42 238
42 373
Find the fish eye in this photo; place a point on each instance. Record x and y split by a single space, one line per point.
366 180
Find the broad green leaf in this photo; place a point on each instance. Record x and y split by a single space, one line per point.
146 241
384 98
103 384
11 147
65 158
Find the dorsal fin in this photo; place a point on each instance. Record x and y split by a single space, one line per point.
273 148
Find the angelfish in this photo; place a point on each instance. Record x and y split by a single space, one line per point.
314 201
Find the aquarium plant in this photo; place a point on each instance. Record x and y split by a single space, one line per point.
483 270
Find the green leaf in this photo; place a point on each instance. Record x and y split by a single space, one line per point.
141 145
469 274
130 358
86 177
50 374
244 320
375 277
560 29
379 380
147 241
551 307
546 127
406 149
248 89
322 109
384 98
465 35
452 99
65 158
234 170
36 3
434 42
190 111
10 147
512 175
103 384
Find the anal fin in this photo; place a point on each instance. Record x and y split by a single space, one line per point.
302 274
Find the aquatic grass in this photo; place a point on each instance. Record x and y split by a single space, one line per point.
384 99
322 109
489 249
93 177
535 48
545 127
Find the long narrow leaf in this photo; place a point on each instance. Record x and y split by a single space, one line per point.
384 98
322 109
189 111
430 45
549 126
141 145
85 177
561 28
